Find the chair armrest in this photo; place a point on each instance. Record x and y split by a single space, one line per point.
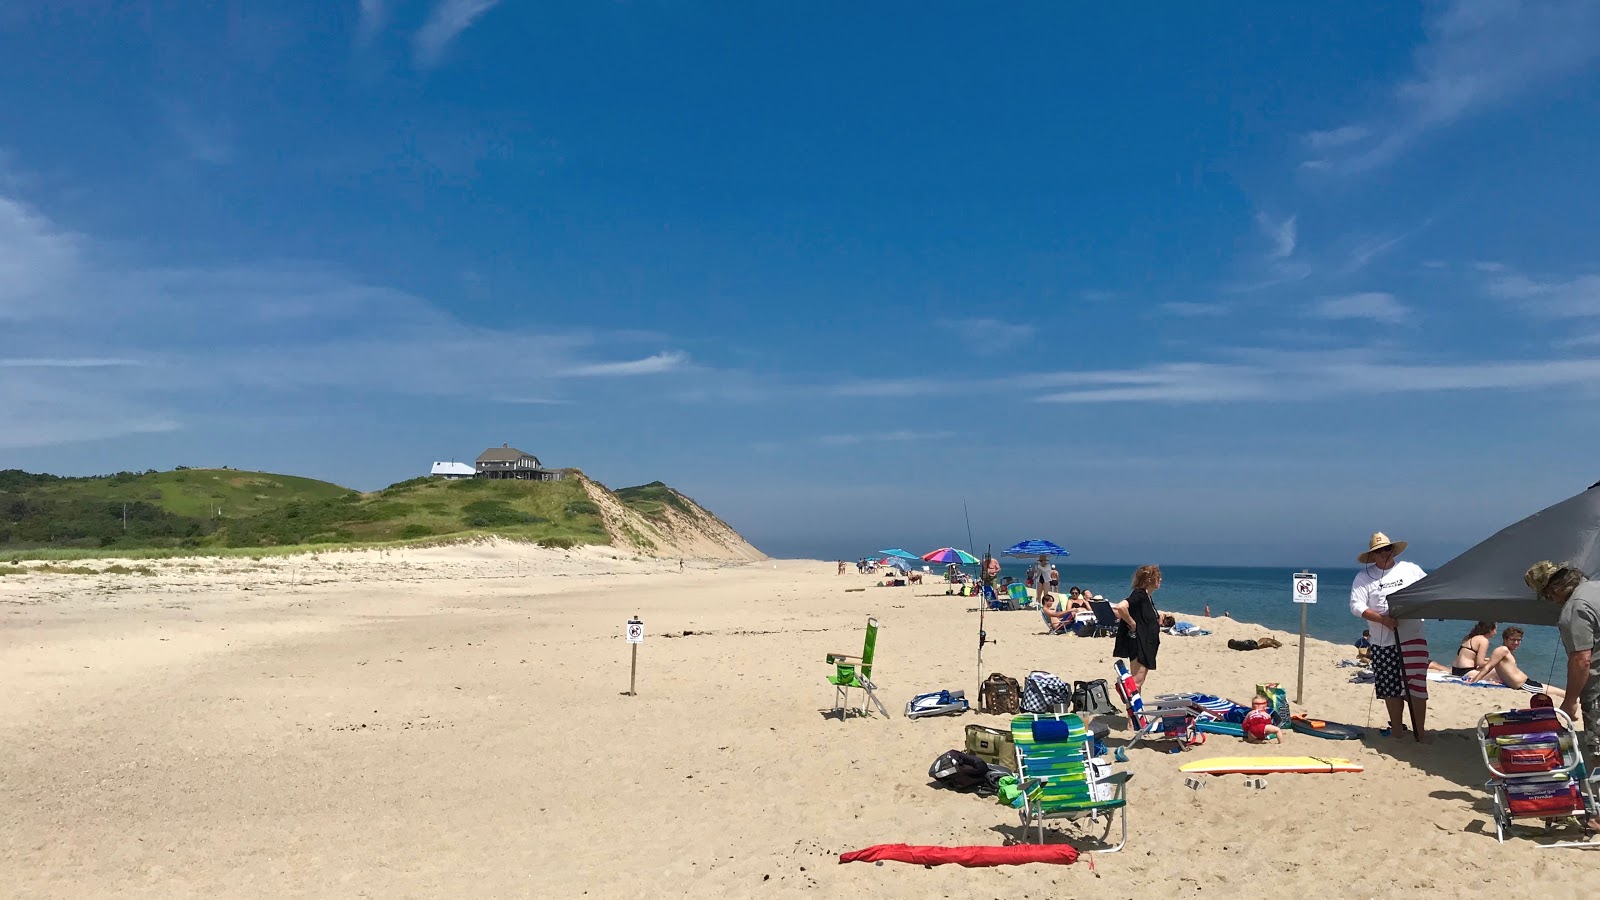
1118 778
841 657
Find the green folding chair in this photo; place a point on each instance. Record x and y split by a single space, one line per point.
1058 781
855 672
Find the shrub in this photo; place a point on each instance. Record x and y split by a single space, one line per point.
415 530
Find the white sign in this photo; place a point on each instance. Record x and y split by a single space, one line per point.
1305 588
635 632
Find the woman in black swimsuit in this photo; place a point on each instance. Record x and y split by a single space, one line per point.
1473 652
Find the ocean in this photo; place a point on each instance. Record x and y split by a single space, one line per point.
1262 596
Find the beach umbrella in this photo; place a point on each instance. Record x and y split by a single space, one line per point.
949 555
1034 548
903 554
896 563
1485 583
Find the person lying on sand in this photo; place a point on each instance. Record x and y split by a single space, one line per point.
1504 665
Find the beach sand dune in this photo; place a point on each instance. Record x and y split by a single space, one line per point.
450 723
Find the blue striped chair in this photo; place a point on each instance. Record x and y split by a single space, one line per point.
1057 779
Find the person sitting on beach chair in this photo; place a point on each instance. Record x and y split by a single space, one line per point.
1504 665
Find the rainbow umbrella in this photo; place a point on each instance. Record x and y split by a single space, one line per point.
949 555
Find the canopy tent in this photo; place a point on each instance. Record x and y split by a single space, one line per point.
1486 581
1034 548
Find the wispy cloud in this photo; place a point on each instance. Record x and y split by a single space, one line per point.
1281 233
650 365
1574 298
1187 309
1374 306
1478 54
883 437
988 335
202 138
258 334
374 17
447 21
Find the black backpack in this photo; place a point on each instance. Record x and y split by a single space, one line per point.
959 770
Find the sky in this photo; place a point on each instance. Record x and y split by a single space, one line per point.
1234 284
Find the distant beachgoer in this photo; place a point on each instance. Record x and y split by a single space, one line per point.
1055 579
1139 635
1504 664
991 571
1041 578
1580 634
1399 649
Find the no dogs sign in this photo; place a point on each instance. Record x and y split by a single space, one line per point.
1305 588
635 631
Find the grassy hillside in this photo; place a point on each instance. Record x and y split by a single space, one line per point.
555 512
652 500
185 507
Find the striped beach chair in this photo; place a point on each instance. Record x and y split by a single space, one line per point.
1169 718
1060 780
1536 770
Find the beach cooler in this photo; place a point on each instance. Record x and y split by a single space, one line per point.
1536 769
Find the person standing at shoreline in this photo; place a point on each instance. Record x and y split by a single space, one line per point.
1399 649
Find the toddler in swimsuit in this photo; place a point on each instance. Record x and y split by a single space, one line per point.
1258 722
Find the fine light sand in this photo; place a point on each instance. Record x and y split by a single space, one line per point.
449 723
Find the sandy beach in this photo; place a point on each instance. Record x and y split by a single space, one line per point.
449 722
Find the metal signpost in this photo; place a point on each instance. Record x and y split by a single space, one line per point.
635 638
1305 594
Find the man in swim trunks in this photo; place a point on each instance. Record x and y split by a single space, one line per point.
1399 649
1504 665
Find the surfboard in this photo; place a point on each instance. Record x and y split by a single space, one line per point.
1322 728
1266 765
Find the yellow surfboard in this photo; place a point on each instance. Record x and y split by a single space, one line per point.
1266 765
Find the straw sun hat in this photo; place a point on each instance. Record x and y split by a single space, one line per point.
1378 542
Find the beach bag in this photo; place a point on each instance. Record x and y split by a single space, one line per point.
937 703
959 771
1092 698
1526 799
1277 703
1236 644
992 745
999 695
1042 691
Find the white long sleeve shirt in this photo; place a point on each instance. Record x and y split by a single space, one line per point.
1371 590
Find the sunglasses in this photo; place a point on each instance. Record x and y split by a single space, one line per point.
1386 551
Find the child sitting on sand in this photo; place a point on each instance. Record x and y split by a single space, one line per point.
1258 722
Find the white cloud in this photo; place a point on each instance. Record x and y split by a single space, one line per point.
1281 233
93 346
1574 298
1375 306
373 19
988 335
447 21
1478 54
1185 309
650 365
883 437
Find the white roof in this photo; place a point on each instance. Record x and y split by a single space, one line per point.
452 468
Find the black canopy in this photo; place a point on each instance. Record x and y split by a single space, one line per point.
1486 581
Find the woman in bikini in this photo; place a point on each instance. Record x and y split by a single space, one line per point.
1473 652
1504 665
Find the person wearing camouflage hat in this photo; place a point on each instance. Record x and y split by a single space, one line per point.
1580 633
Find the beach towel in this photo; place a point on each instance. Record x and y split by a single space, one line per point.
971 857
1446 678
1186 629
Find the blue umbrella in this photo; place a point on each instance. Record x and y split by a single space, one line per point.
900 564
1034 548
903 554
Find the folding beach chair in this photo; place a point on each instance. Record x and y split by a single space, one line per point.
1060 780
1169 718
1017 597
855 672
1536 769
1105 621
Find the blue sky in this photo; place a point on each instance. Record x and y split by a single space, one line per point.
1226 285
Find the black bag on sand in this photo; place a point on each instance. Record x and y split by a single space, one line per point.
1241 645
1092 698
959 771
999 695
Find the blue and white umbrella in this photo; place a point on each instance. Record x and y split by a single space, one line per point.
903 554
1035 548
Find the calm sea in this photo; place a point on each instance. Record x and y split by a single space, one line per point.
1261 596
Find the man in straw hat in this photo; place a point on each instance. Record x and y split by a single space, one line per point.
1399 649
1580 632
